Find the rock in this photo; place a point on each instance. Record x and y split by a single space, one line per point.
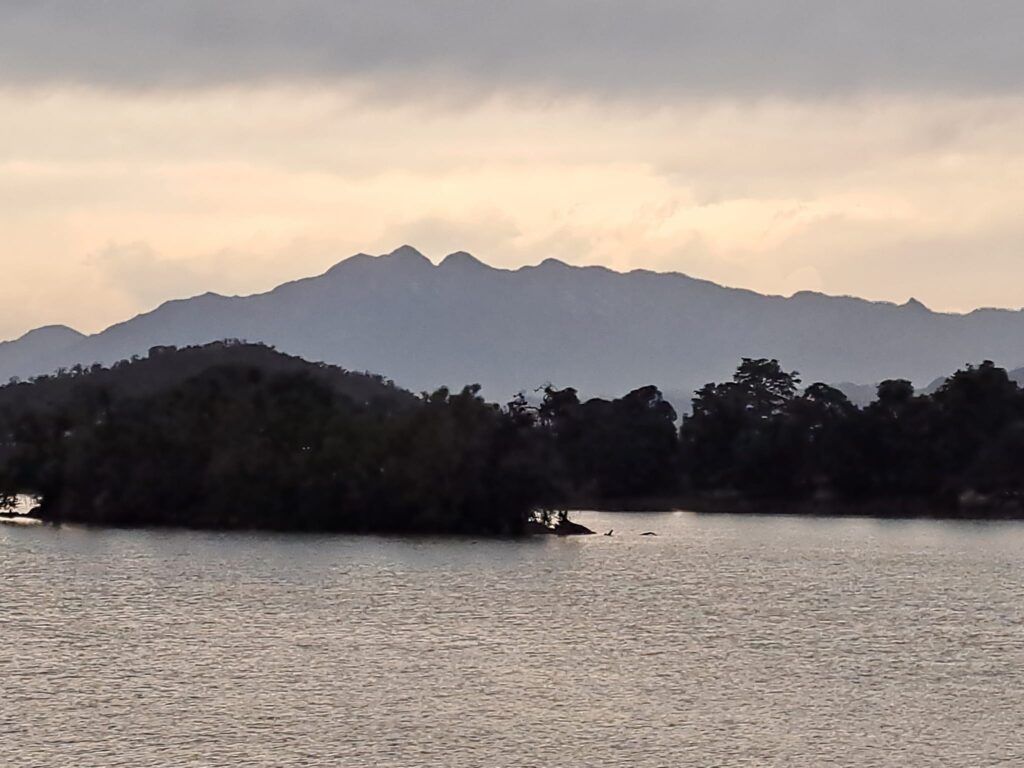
567 527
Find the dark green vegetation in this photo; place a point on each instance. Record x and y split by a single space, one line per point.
954 452
759 443
239 435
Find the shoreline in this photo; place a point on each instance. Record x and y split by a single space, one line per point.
906 509
892 509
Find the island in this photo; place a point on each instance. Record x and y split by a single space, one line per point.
238 435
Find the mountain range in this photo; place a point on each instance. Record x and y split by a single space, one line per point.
603 332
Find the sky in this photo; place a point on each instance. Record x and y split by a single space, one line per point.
153 150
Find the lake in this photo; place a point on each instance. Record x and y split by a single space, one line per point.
722 641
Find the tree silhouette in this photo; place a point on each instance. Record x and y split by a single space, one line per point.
238 435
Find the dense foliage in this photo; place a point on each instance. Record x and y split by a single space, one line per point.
953 451
238 445
760 443
238 435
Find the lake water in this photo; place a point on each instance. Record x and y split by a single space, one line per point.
723 641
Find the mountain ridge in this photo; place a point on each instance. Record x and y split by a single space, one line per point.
461 320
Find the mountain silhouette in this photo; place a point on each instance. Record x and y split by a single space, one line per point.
604 332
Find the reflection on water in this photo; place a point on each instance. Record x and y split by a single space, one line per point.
732 641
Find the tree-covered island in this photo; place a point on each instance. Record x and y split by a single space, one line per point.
237 435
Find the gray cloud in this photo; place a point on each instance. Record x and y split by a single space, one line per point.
732 48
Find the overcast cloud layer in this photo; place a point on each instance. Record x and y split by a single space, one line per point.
739 48
152 150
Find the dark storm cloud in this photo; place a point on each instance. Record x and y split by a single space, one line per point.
592 47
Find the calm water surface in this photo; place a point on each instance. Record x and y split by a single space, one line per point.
723 641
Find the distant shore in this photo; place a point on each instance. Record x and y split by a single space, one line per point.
893 509
971 509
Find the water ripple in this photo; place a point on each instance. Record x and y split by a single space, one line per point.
723 641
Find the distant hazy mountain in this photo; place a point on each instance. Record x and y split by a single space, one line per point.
39 351
601 331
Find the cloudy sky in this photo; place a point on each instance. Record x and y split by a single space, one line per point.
153 149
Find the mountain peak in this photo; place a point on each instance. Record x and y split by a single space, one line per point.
916 305
462 259
407 254
553 263
53 333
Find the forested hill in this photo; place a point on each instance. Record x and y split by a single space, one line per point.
163 368
237 435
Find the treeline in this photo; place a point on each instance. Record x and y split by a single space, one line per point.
242 443
238 435
760 443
